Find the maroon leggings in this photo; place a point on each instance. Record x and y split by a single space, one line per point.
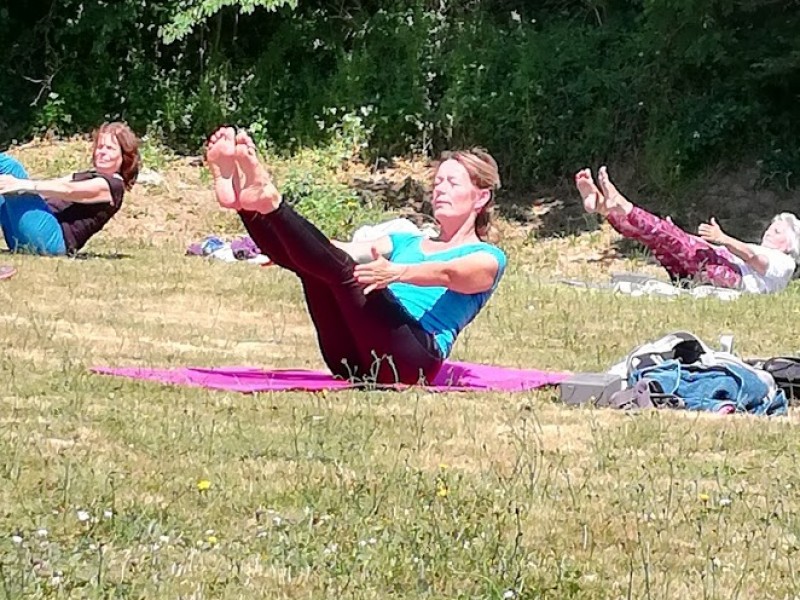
684 256
362 337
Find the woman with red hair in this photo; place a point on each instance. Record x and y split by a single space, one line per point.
58 216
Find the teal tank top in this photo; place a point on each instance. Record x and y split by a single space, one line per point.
439 311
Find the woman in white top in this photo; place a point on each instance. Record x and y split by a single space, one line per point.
712 258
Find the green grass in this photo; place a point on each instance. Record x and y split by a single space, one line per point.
111 488
368 495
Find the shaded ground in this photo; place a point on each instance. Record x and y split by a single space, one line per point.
173 204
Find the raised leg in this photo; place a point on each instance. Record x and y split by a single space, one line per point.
28 223
681 254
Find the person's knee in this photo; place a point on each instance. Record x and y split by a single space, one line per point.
11 166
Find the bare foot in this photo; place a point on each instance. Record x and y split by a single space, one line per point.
588 190
613 201
258 193
221 159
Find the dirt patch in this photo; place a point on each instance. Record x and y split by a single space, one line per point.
174 203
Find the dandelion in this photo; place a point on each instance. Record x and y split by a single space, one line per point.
442 491
203 485
703 497
444 466
212 540
83 516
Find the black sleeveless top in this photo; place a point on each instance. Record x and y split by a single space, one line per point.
80 221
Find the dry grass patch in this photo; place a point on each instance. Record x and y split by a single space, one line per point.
116 488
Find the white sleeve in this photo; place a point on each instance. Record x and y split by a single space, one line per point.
779 264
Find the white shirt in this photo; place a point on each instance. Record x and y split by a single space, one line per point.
780 268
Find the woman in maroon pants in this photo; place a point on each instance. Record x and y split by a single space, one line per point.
386 311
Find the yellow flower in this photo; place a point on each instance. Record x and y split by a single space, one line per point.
212 539
441 490
444 466
203 485
703 497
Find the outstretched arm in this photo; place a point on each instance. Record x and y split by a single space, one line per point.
89 191
470 274
712 232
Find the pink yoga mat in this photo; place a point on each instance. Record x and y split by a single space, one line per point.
454 377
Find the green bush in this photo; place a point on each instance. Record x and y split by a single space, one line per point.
673 86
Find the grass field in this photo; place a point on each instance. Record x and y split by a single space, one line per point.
118 489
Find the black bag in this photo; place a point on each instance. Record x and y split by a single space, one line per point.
785 370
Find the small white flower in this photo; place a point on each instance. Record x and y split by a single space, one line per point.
164 539
83 516
277 521
209 532
17 539
515 17
92 547
696 135
724 501
108 513
331 549
41 532
509 595
372 541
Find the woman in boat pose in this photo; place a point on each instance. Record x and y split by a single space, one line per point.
714 257
58 216
389 310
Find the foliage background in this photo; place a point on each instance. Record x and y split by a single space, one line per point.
672 87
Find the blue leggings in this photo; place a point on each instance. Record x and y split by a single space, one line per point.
27 221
